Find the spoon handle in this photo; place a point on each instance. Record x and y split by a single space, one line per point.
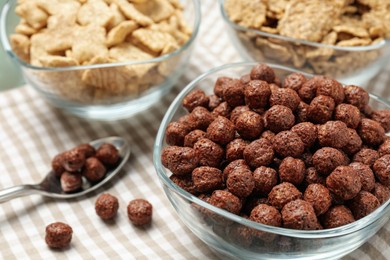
17 191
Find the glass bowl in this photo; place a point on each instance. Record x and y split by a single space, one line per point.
107 91
221 230
349 65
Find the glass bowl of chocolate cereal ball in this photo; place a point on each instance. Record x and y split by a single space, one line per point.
264 161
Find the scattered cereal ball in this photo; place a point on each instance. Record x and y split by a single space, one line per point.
333 134
226 200
292 170
265 179
240 182
107 154
384 148
235 149
343 182
382 192
365 174
312 176
366 156
139 212
234 93
237 111
288 143
106 206
208 152
192 137
221 130
283 193
214 101
371 132
94 170
294 81
321 109
332 88
175 133
71 181
258 153
267 215
348 114
240 163
285 97
207 179
308 89
195 98
354 143
179 160
383 117
222 109
299 214
73 160
57 164
279 118
356 96
382 169
363 204
200 118
319 197
58 235
337 216
302 112
185 182
257 93
220 85
249 125
263 72
87 149
307 132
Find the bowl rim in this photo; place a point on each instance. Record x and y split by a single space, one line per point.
8 7
236 26
164 179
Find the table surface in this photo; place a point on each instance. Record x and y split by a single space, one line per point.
32 132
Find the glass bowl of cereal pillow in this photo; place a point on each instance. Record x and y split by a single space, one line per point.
100 59
257 171
348 40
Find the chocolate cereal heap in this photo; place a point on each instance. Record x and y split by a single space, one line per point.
300 153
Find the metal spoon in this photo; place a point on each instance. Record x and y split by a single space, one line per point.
50 186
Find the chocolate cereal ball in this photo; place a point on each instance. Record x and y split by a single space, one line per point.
139 212
249 125
354 143
73 160
337 216
312 176
58 235
240 163
223 109
382 192
384 148
235 149
371 132
294 81
302 112
288 143
200 118
321 109
207 179
366 156
106 206
94 170
279 118
175 133
267 215
344 183
356 96
257 93
383 117
192 137
283 193
237 111
363 204
286 97
309 88
71 181
220 85
57 164
240 182
87 149
107 154
195 98
292 170
265 179
267 134
208 152
263 72
333 134
214 101
299 214
319 197
348 114
367 177
382 169
234 93
179 160
307 132
225 200
332 88
221 130
258 153
185 182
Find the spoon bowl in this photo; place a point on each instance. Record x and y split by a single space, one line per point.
50 186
